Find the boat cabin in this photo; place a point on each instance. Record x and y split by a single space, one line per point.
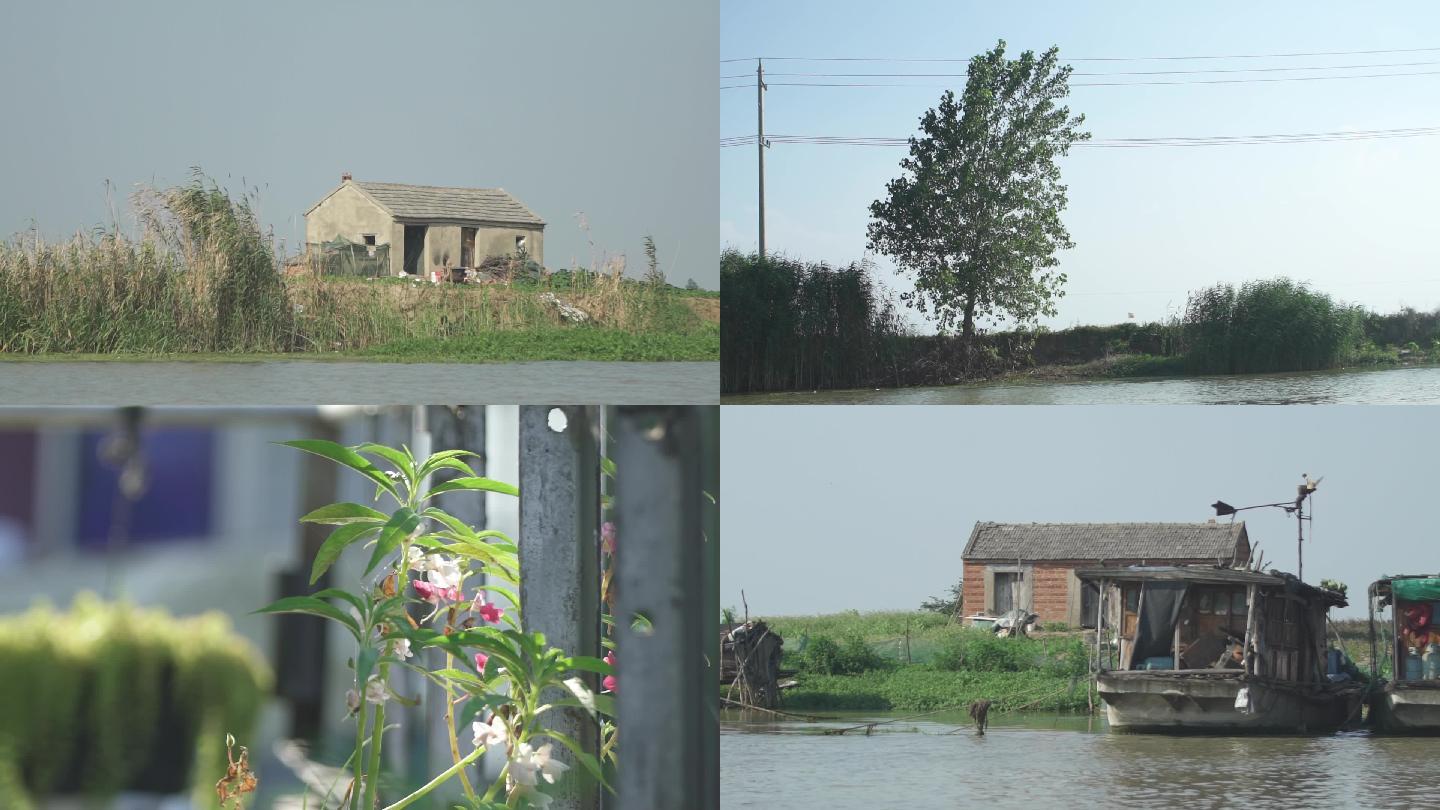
1211 619
1411 636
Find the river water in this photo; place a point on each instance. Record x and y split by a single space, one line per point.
308 382
1039 761
1419 384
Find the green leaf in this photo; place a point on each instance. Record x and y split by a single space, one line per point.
475 704
346 456
401 524
447 459
585 759
404 464
342 513
587 663
336 593
364 665
334 544
607 466
475 483
314 607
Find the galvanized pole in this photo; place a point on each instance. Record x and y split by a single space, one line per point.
760 143
664 699
1300 539
559 556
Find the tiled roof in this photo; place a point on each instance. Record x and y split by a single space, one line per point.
436 202
1104 541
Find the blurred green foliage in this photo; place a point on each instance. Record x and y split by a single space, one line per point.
109 696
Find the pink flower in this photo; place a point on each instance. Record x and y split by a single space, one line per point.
607 537
487 611
609 681
480 659
434 594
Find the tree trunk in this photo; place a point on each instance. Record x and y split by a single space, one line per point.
967 331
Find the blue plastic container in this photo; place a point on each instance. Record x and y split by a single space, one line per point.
1158 662
1413 667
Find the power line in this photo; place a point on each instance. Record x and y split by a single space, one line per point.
1112 84
1105 73
1123 143
1085 58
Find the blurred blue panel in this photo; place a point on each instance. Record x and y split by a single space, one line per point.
17 477
179 494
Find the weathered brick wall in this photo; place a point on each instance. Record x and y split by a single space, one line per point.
1050 583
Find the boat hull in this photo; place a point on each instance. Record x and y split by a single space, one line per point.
1172 703
1401 709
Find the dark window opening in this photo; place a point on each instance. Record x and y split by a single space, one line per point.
369 239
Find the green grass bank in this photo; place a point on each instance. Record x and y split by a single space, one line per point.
204 278
922 661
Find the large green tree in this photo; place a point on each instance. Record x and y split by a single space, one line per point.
975 218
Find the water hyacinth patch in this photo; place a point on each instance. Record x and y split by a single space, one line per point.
423 556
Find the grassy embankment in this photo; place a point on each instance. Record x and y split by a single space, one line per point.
858 661
788 325
204 282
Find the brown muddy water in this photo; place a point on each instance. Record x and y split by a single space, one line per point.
1420 384
1038 761
356 383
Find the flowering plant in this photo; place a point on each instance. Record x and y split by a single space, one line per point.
497 679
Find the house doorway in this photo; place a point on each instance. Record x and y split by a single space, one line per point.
1005 586
414 248
1089 603
467 247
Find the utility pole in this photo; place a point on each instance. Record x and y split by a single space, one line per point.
760 143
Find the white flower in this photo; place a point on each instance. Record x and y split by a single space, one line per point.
490 734
442 572
416 558
401 647
530 762
549 768
523 767
375 691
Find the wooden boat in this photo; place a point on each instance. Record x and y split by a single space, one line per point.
1187 649
1409 701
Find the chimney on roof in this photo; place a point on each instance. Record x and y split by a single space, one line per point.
344 177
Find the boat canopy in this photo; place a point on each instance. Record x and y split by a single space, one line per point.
1214 575
1416 590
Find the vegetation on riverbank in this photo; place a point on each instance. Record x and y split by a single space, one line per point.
923 661
788 325
204 278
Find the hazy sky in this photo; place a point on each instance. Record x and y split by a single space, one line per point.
869 507
1149 224
603 108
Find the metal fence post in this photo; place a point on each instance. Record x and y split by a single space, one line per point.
559 558
665 718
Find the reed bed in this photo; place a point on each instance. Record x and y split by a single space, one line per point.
1268 326
204 277
789 325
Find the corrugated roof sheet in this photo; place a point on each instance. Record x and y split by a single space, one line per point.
437 202
1103 541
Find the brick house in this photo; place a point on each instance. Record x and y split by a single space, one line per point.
1032 565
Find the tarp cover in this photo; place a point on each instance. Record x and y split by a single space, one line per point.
1416 590
1159 608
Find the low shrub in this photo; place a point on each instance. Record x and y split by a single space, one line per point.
852 656
109 697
